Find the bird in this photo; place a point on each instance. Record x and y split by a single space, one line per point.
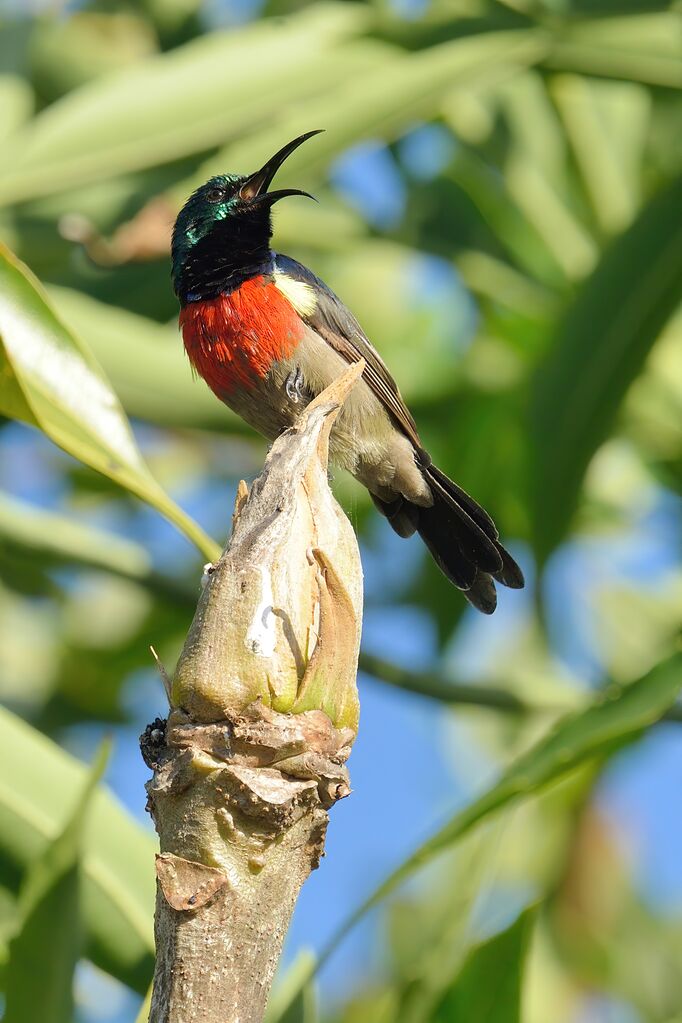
267 336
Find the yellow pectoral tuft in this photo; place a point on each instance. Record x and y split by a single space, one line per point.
298 293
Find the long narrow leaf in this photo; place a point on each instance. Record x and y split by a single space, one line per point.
293 1000
133 351
606 123
39 784
577 738
196 96
600 347
143 1014
44 953
488 988
46 538
380 104
49 379
639 48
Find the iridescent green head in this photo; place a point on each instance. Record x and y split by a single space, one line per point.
217 200
223 231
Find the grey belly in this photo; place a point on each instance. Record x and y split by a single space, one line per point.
361 427
266 406
364 439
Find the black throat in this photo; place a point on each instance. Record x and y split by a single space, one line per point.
220 262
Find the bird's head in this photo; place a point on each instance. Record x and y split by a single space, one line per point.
225 226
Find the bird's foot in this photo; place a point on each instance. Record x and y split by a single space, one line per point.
293 385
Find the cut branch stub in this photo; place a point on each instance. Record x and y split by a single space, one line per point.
279 619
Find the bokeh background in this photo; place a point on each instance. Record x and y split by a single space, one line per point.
500 204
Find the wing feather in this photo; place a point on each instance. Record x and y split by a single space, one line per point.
336 324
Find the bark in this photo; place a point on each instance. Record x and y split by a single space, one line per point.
264 711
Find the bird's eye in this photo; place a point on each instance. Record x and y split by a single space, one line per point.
215 195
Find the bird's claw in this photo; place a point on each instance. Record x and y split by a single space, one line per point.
294 386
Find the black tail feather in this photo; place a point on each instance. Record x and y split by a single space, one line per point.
402 515
483 595
465 501
511 575
461 537
451 514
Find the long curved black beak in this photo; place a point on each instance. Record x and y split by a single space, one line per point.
256 185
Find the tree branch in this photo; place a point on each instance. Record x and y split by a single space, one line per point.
439 687
264 711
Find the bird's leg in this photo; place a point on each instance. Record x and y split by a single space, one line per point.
294 386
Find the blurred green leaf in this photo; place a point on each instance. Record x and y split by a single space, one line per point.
640 47
381 103
66 52
606 123
536 174
303 1008
135 351
215 87
535 126
143 1014
15 40
39 786
53 539
46 949
505 222
50 380
618 717
600 346
16 104
293 1000
8 921
110 625
488 988
494 279
563 234
431 937
442 20
58 539
174 20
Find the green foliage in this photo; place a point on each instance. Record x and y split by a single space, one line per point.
47 945
294 1000
51 381
181 102
143 1014
545 378
601 344
488 988
39 787
618 717
134 349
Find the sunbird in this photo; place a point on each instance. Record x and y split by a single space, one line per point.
267 336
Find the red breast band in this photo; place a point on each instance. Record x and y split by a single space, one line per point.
232 340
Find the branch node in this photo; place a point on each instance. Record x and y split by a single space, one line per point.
186 884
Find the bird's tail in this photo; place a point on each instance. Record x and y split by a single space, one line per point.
461 536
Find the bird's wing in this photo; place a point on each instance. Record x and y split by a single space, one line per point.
319 307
